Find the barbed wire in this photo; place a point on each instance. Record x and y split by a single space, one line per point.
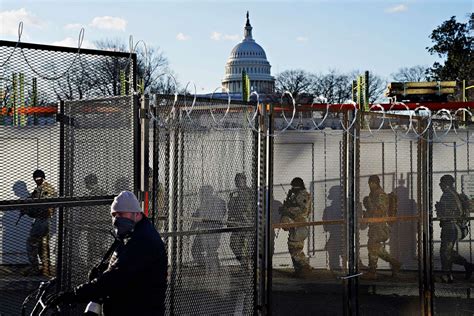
413 117
436 125
44 77
20 32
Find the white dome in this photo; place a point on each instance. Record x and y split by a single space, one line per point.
250 57
248 49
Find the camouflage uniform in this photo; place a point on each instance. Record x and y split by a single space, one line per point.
241 214
38 241
449 212
376 205
296 208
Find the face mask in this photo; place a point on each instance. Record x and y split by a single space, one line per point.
123 226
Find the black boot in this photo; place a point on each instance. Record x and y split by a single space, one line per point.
469 269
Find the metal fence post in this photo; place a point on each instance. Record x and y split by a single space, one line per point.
258 288
351 166
156 165
62 158
268 231
144 153
174 160
425 243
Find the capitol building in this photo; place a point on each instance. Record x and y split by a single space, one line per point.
250 57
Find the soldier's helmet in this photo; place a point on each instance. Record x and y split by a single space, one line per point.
91 179
297 183
447 179
38 174
374 179
240 180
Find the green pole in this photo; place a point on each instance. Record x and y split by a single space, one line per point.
22 101
354 90
360 103
245 87
464 91
141 86
35 99
366 91
14 99
123 87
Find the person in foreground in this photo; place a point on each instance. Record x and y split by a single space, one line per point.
134 283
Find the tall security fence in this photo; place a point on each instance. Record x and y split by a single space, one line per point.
85 148
389 263
203 191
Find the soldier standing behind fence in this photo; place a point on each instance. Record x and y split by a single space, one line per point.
453 212
241 214
376 205
209 215
38 241
334 245
296 209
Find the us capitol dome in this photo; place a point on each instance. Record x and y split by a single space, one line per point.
248 56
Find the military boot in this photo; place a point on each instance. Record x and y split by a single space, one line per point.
469 269
396 265
447 278
371 274
362 266
304 272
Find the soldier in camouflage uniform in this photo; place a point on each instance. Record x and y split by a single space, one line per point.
376 205
38 241
296 209
241 214
209 215
451 210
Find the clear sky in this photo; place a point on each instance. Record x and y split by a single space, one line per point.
197 36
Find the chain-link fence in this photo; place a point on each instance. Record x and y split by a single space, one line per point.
84 149
387 195
206 203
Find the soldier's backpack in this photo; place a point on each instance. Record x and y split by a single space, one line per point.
392 205
463 204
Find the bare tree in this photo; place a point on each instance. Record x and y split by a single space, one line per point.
91 76
152 67
334 86
377 86
295 81
410 74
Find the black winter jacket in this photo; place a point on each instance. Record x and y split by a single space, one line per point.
135 281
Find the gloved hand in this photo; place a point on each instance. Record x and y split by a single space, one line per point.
62 298
93 273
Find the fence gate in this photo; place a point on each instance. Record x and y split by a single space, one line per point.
68 112
197 160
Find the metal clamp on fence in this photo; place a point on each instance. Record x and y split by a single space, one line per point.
65 119
350 276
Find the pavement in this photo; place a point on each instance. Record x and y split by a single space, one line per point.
322 293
